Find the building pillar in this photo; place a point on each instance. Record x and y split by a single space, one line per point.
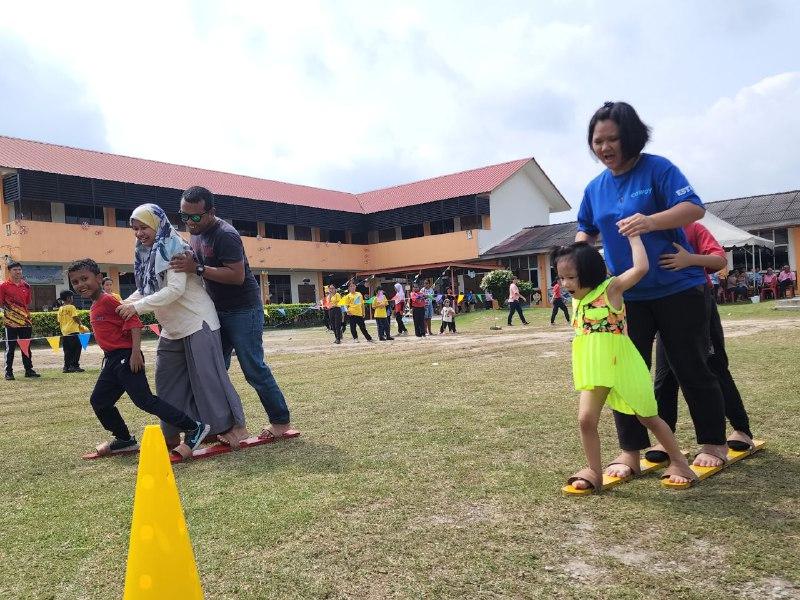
113 273
426 228
544 277
262 229
264 279
109 217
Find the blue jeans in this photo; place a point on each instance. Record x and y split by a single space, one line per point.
241 331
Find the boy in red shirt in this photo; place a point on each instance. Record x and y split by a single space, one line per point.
558 303
15 297
123 368
710 255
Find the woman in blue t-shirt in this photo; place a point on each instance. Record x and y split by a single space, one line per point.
644 194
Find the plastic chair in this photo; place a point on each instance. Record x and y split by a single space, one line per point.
770 289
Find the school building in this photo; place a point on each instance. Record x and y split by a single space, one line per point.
775 217
58 204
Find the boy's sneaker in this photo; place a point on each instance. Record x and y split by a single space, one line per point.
31 374
10 377
194 438
118 445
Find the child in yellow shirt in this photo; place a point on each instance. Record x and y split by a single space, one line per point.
332 299
379 305
354 301
71 326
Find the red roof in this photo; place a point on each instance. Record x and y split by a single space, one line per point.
50 158
466 183
38 156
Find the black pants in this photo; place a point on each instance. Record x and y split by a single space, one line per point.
13 334
559 304
384 328
335 317
360 322
419 321
682 321
783 286
450 325
117 378
515 306
72 351
326 317
401 327
666 384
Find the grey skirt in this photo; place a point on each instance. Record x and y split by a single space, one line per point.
191 376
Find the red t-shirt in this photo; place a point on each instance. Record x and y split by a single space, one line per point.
417 300
14 300
556 291
703 242
111 331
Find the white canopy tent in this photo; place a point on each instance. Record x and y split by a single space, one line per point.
730 236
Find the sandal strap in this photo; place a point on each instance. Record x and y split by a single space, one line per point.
637 470
183 450
587 475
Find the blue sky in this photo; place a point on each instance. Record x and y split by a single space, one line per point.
361 95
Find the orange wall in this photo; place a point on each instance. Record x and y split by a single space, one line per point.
794 232
269 254
423 250
41 242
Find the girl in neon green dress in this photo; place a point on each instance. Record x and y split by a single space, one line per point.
606 366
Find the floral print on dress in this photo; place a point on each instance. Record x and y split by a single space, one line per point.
597 317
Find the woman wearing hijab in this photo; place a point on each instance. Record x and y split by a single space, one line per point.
399 308
190 370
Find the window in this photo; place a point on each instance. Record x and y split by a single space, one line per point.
359 237
127 284
762 258
78 214
35 210
533 277
280 289
246 228
412 231
443 226
122 217
302 233
387 235
276 231
175 220
336 236
471 222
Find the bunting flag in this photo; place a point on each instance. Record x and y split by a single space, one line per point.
460 298
480 297
154 328
84 338
438 297
369 300
282 311
54 342
25 346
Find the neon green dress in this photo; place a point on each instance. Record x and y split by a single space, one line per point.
604 356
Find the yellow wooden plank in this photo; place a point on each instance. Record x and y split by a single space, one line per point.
706 472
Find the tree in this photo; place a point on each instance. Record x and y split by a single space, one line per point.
496 283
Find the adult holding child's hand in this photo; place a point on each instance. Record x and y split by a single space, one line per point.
645 195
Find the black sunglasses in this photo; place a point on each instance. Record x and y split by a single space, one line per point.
194 218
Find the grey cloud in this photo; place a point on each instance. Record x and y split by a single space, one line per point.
40 102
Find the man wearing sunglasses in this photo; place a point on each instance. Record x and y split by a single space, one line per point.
219 258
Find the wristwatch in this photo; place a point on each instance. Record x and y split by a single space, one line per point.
200 269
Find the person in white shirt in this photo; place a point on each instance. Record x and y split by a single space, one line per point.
190 368
514 298
448 318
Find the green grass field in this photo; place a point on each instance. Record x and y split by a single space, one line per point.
427 469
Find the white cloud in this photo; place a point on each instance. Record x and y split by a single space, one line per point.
356 95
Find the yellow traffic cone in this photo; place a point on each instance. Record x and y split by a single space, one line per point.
160 558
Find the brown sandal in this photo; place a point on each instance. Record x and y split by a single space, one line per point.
182 450
590 477
635 469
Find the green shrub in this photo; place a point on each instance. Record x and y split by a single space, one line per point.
296 315
45 324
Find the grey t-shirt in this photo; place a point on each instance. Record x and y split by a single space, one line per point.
219 245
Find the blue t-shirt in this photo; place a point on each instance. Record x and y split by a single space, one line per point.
652 186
